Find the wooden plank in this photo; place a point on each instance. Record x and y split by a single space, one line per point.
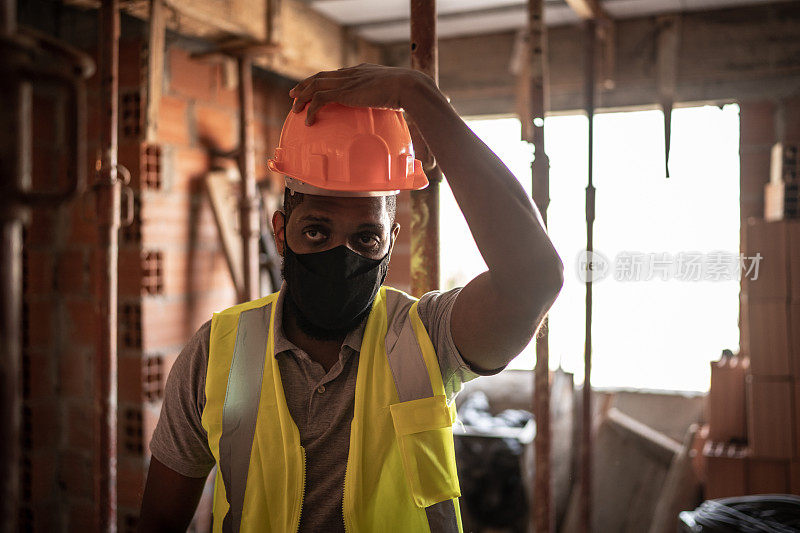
224 203
155 69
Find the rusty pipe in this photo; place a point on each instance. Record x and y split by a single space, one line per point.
108 191
248 211
586 413
424 203
542 509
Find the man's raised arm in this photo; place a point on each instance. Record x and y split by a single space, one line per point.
497 313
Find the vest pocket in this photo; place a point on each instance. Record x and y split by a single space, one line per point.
424 430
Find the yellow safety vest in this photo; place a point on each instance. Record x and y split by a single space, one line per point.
401 468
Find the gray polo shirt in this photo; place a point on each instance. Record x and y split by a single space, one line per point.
321 404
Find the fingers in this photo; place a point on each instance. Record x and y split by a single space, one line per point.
325 74
313 87
319 99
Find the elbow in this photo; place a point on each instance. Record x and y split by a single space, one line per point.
554 279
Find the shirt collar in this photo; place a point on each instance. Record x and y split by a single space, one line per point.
282 344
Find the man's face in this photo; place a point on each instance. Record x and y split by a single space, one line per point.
320 223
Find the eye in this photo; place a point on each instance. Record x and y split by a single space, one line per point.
314 235
369 241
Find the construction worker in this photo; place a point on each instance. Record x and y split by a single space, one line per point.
345 425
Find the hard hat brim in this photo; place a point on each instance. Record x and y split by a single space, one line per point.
302 187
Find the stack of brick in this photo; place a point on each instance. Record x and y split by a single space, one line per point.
773 342
756 449
754 401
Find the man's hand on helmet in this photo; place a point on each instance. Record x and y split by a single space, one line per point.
365 85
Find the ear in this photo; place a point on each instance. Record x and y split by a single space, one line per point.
395 233
279 227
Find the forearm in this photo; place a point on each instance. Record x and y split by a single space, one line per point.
506 225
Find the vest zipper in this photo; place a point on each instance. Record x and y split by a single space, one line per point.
303 491
344 493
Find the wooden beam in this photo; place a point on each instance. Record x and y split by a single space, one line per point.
220 186
155 68
587 9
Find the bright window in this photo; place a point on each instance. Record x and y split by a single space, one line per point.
653 333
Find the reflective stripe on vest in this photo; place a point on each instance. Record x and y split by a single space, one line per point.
241 408
418 387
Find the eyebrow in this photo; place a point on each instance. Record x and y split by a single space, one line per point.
377 228
316 218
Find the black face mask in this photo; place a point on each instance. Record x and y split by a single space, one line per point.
332 290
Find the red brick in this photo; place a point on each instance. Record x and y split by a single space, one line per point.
82 322
78 423
191 77
216 128
39 323
769 418
131 71
188 166
44 423
39 232
770 240
42 383
93 114
169 324
725 470
80 517
130 273
194 272
44 113
757 122
72 272
39 272
768 327
75 472
795 477
43 474
173 125
228 98
176 220
767 476
130 379
792 119
74 372
753 175
82 220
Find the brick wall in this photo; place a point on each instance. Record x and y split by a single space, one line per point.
172 272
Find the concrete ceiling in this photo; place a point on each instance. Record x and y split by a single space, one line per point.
386 21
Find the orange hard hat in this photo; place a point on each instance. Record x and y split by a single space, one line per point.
348 151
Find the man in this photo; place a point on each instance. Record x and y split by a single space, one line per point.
367 374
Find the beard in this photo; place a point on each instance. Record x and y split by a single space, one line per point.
312 330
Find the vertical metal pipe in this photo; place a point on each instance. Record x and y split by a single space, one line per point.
542 510
247 168
11 118
424 203
586 430
10 356
107 188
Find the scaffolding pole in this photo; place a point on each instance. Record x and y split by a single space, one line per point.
535 92
424 203
248 210
107 188
586 425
